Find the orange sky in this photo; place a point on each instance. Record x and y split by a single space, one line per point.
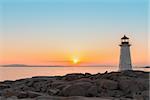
55 33
102 56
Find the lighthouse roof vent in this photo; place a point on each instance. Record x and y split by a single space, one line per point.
124 37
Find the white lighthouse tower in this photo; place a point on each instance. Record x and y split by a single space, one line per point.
125 57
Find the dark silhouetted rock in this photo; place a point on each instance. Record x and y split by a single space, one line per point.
4 86
53 91
77 89
125 85
92 91
8 93
107 84
145 95
71 77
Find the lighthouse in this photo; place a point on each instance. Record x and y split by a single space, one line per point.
125 57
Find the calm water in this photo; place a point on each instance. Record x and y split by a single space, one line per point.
13 73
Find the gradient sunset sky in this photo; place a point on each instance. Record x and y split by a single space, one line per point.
54 32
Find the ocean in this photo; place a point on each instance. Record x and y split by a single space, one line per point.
14 73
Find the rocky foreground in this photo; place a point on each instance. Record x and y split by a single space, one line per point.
126 85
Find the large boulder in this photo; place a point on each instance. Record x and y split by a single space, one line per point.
129 73
74 76
81 80
74 90
21 87
92 91
58 84
4 86
8 93
41 86
110 76
143 84
20 94
114 93
87 75
44 80
9 98
145 95
132 85
107 84
127 85
96 76
53 91
32 94
77 89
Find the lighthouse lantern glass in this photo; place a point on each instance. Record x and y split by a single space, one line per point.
124 40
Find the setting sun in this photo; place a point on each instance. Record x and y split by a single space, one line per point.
75 60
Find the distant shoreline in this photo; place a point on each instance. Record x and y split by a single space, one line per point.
24 65
20 65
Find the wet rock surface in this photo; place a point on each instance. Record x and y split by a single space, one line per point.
126 85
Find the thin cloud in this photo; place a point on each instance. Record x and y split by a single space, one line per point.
57 61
